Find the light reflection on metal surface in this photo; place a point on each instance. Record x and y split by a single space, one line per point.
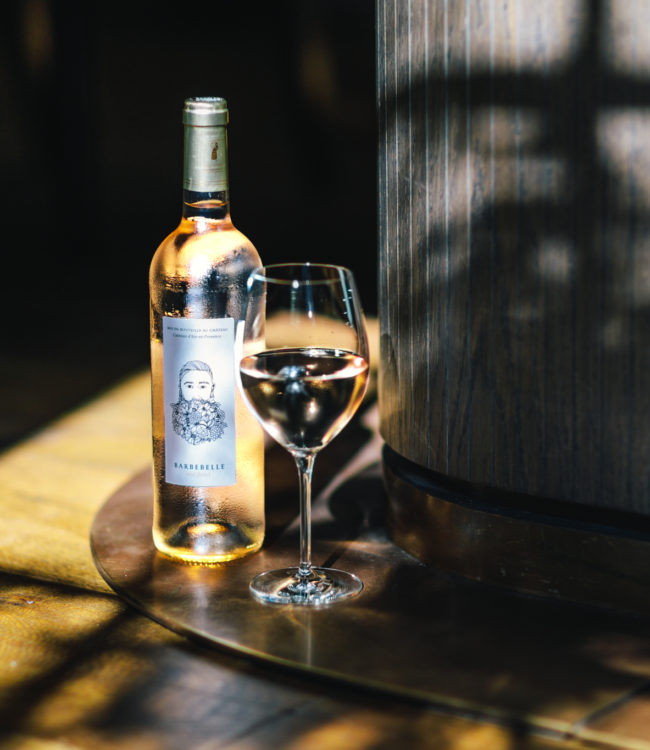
412 631
213 602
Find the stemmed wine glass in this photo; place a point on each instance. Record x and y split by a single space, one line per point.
303 374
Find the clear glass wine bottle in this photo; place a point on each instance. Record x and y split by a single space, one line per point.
208 451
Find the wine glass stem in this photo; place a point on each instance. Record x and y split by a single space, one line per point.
305 465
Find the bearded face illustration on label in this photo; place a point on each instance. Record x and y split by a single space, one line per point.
196 416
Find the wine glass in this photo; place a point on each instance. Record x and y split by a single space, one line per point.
303 374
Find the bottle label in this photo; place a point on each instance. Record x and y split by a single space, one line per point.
199 392
206 159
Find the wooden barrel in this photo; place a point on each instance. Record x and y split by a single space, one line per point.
514 252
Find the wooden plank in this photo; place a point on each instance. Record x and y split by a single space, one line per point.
388 217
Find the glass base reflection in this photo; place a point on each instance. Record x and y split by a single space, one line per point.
286 586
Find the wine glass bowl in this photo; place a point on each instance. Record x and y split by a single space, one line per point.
304 373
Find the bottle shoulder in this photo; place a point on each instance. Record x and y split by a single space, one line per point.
197 245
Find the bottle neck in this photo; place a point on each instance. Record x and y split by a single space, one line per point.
211 206
205 173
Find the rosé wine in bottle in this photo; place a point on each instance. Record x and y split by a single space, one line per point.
208 450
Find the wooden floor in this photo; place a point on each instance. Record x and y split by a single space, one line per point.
80 669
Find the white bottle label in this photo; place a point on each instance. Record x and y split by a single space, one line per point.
199 392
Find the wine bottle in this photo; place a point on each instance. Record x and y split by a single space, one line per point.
208 449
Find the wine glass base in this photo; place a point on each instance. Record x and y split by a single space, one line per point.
283 586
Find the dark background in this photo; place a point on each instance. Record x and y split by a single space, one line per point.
91 161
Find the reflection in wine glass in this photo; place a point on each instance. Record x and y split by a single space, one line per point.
304 374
